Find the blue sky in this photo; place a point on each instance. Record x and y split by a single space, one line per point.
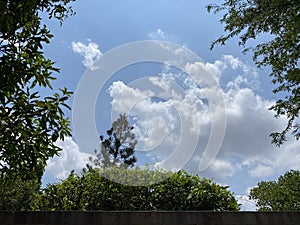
246 155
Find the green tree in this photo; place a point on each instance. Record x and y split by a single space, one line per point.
118 148
92 191
89 191
281 195
182 191
18 195
29 124
280 20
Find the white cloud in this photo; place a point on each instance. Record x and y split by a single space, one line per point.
124 97
160 34
234 62
70 158
249 123
247 76
287 157
246 203
90 53
154 120
246 146
158 123
207 74
261 171
221 169
157 35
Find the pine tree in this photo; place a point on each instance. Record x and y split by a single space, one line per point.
118 148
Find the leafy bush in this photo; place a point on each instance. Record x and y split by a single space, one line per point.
176 191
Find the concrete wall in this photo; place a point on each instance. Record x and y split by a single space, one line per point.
148 218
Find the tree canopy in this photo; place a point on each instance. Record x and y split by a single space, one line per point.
92 191
29 124
18 195
280 195
280 20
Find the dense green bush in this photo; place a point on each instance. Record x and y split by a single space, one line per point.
178 191
18 195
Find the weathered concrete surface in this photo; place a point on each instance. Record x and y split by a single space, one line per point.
149 218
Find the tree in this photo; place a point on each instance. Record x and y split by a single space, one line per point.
182 191
18 195
29 124
249 19
281 195
118 148
179 191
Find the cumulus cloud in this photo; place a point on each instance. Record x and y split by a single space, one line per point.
70 158
90 53
207 74
249 123
222 168
154 120
124 97
174 122
246 142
